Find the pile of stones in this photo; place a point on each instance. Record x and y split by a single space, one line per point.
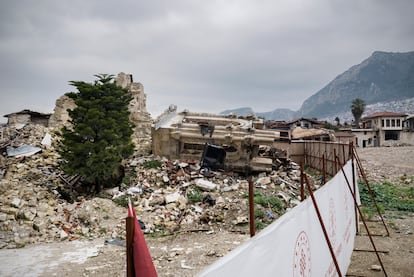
169 196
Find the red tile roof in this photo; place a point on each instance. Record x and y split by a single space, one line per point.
385 114
344 134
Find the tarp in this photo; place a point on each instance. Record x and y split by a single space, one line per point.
22 151
47 140
294 245
143 265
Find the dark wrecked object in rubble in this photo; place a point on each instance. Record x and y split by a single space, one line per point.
269 214
207 172
3 172
116 241
209 200
141 224
145 190
213 156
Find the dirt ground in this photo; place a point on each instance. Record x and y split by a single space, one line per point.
186 254
387 164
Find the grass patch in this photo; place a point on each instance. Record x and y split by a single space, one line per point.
121 201
152 164
259 214
389 197
259 225
194 195
269 202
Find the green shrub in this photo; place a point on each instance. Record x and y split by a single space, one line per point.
152 164
195 196
272 202
259 214
121 201
391 197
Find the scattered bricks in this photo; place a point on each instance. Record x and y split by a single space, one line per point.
30 191
15 202
263 181
172 198
205 185
63 235
3 217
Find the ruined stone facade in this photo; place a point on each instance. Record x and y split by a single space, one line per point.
184 135
139 115
27 117
60 116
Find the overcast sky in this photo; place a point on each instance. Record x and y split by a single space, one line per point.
205 56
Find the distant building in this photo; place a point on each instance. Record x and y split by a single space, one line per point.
385 129
26 116
305 123
300 128
345 137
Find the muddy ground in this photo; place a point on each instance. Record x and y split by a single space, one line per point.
185 254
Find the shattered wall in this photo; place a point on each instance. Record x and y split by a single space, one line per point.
183 136
60 116
139 116
26 117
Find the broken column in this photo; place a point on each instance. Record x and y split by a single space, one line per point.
139 115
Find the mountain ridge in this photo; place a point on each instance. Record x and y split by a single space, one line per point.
383 77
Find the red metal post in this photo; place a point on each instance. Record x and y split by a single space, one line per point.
325 233
251 208
302 189
364 177
323 169
363 219
130 223
343 153
354 187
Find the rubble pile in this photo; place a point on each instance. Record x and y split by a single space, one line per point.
169 196
179 195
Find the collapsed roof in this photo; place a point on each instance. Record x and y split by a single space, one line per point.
183 135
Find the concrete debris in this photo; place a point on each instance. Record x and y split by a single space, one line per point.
47 140
375 267
176 196
205 184
183 265
22 151
189 135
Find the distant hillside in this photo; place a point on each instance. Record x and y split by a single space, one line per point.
405 106
380 78
239 111
278 114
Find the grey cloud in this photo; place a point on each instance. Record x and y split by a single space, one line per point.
263 54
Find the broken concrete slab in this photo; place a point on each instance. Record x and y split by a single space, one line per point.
22 151
205 185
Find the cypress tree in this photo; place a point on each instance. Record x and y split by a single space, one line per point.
100 135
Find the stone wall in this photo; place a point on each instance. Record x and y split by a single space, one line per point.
139 115
60 116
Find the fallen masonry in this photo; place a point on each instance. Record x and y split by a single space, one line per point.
170 196
183 135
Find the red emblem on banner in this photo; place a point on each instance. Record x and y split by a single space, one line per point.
332 222
302 257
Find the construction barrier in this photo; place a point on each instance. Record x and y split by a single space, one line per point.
295 245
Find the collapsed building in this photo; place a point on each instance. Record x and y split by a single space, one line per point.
24 117
139 116
241 140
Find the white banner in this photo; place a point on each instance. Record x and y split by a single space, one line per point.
295 245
